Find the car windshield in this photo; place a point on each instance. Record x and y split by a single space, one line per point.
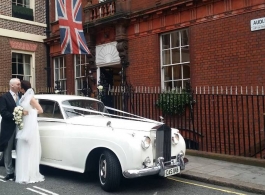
93 105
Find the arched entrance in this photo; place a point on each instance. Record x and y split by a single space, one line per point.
109 68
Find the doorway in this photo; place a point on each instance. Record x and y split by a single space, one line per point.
109 77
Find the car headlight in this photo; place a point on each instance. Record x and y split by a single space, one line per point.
146 142
175 139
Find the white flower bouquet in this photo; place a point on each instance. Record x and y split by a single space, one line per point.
18 114
100 87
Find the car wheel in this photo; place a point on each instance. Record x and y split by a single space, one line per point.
109 171
1 158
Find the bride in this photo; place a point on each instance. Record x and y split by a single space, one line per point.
28 148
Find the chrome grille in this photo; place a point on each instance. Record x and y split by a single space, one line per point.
163 142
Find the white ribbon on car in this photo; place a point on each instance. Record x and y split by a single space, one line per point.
139 118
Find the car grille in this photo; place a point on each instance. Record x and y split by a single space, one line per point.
163 142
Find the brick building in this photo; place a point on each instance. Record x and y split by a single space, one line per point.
164 43
22 34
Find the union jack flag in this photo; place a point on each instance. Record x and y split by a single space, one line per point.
71 29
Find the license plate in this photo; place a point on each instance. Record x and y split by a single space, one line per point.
171 171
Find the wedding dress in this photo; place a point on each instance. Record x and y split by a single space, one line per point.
28 148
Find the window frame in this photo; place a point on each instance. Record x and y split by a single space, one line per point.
180 47
32 66
81 77
31 6
56 12
54 104
61 80
16 2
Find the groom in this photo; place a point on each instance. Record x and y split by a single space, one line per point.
8 102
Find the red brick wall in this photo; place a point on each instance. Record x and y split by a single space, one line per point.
223 50
145 4
226 52
40 64
144 58
5 64
52 11
70 74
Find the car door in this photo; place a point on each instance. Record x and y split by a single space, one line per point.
51 126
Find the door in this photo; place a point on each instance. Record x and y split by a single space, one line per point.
109 78
52 127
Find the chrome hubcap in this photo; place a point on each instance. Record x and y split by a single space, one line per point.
103 169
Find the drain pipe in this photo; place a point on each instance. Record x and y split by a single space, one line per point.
48 31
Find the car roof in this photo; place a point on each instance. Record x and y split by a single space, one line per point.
62 97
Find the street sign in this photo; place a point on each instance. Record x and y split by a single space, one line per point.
257 24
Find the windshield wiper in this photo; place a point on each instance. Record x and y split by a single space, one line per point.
74 112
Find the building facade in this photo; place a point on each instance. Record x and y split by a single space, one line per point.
22 34
163 43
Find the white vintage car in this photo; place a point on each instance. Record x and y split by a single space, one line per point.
80 134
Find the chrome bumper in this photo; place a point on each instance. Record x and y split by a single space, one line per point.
159 168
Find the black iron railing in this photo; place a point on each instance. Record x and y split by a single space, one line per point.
221 123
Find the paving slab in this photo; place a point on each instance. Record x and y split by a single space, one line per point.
240 176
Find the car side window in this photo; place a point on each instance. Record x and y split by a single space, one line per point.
51 109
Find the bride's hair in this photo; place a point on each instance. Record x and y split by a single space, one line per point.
25 85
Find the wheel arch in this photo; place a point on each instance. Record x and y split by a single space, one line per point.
93 158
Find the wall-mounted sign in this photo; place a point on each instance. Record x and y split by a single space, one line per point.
257 24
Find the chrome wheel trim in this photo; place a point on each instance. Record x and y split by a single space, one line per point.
102 169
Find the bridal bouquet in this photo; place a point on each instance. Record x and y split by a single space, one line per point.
18 114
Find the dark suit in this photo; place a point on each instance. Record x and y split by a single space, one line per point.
8 126
8 130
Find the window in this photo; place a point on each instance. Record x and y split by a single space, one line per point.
51 109
81 83
23 3
21 66
175 59
93 107
59 75
21 9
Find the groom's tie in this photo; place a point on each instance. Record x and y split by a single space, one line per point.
16 99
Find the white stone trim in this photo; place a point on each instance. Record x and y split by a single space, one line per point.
21 35
22 21
107 54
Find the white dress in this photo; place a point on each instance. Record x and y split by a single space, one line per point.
28 148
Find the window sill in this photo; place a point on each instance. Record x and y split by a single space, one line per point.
22 21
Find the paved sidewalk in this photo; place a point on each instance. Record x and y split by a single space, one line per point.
244 177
